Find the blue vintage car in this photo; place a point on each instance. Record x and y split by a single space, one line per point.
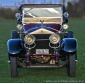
42 39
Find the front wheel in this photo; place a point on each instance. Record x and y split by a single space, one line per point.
13 65
71 66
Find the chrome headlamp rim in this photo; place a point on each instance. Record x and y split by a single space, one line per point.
56 38
29 39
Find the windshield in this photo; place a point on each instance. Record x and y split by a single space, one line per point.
45 14
42 12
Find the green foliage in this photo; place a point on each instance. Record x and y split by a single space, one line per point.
42 75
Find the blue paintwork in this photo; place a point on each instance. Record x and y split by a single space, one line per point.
65 19
14 46
37 28
69 44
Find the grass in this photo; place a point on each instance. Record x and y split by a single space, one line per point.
42 75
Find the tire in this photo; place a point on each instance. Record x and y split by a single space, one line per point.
14 34
71 66
13 65
70 34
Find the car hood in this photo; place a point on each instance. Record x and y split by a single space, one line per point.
37 28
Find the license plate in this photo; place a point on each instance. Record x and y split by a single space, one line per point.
42 51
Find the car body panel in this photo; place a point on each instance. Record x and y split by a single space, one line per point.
42 29
69 44
14 46
30 26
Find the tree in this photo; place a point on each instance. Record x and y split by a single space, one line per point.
73 10
82 2
82 7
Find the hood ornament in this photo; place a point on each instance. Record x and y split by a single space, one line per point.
42 23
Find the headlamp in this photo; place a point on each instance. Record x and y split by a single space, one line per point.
54 39
29 39
19 27
65 26
66 14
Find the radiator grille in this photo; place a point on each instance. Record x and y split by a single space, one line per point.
42 42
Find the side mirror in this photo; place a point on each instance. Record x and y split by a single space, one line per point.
66 14
17 15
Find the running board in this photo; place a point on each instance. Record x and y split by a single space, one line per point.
44 66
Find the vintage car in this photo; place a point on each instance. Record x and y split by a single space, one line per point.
42 39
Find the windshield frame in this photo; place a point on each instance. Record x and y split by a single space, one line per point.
43 6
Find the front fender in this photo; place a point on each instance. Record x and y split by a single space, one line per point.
14 46
69 44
